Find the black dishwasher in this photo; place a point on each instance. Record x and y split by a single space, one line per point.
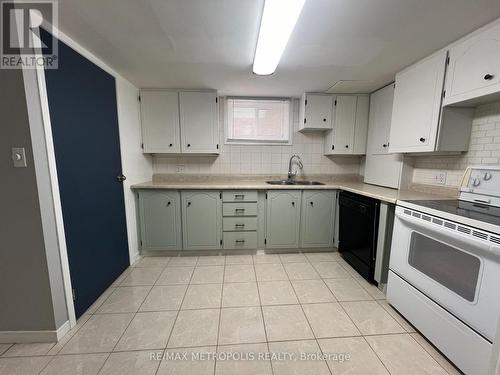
358 229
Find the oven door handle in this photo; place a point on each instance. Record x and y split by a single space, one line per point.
455 238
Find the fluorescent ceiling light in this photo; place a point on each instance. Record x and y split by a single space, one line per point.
278 20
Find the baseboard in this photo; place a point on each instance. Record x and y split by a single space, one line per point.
22 337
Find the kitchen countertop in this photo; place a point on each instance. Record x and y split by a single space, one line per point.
258 183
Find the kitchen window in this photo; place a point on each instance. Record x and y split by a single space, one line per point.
258 120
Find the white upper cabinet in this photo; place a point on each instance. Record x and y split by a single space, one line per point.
473 74
350 125
316 112
160 121
419 123
417 105
199 122
380 121
179 122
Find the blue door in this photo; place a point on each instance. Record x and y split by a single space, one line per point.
83 114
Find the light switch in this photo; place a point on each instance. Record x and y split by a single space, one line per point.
18 157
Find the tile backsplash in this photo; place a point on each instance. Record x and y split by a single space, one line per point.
262 159
484 148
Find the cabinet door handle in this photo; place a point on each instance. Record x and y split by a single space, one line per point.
239 196
422 139
312 204
487 77
333 147
239 225
189 204
293 204
324 120
384 145
168 203
240 241
170 145
239 210
189 144
346 146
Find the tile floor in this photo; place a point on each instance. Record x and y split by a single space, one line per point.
269 308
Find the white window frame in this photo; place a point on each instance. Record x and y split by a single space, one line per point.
231 141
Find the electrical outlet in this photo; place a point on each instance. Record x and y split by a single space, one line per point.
179 168
440 178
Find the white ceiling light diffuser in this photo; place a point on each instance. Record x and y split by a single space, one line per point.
278 21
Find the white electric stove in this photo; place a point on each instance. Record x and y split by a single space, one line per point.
445 269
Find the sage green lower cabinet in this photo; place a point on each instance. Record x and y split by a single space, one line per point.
283 218
160 220
318 218
201 220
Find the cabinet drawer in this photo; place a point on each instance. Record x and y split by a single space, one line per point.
239 209
240 240
239 196
231 224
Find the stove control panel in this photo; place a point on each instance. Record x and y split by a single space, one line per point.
481 184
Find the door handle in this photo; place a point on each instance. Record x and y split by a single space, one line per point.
189 204
488 77
312 204
121 178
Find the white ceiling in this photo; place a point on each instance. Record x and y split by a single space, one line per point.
211 43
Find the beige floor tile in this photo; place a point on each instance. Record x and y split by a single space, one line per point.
351 356
397 316
329 320
197 361
349 268
239 259
321 257
23 365
312 291
4 347
164 297
371 318
286 323
270 272
183 261
434 353
293 258
99 334
208 274
125 299
147 330
296 361
348 290
130 363
175 275
154 262
99 301
277 293
239 273
26 350
266 259
373 290
211 260
60 344
142 276
259 366
195 328
241 325
330 270
402 355
240 295
300 271
76 364
202 296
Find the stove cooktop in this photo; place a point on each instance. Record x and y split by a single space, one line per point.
484 213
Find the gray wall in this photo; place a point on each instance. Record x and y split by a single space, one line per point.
27 302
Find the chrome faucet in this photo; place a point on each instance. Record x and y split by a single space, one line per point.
291 174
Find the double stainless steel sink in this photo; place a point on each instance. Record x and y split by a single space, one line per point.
293 182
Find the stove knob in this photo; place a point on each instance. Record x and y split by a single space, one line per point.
476 182
487 176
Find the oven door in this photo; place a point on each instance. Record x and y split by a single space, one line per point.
456 270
